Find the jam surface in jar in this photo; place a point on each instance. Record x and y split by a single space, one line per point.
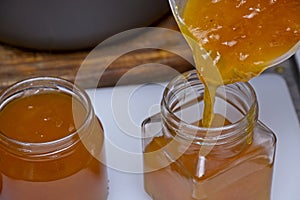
55 164
41 117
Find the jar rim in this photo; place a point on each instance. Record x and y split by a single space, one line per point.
59 83
211 132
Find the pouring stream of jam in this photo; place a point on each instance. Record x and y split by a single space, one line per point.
234 41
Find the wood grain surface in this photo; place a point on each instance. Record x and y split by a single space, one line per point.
140 65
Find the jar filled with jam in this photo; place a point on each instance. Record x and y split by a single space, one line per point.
51 143
231 159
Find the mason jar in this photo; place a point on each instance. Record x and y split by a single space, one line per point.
51 143
232 159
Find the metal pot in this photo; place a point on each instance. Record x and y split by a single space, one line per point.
73 24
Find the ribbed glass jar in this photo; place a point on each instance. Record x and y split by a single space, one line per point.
38 163
233 159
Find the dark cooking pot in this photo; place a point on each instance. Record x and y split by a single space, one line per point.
73 24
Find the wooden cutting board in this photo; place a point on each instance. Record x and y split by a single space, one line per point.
17 64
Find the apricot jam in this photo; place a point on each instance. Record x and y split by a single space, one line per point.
231 159
43 123
243 37
235 40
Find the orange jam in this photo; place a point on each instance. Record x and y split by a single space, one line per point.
42 117
234 41
242 36
42 155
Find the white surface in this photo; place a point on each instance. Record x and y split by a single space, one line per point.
276 111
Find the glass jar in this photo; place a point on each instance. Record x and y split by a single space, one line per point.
51 143
233 159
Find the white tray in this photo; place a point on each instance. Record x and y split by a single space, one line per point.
140 101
